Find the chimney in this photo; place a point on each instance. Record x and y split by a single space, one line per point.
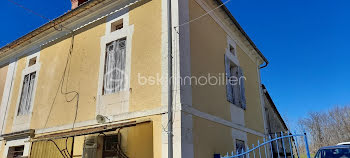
77 3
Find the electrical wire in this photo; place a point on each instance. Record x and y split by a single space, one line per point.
201 16
29 10
70 52
175 68
61 85
120 152
64 155
35 13
65 69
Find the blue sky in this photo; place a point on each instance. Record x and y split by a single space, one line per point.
306 42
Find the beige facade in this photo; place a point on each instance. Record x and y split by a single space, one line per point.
68 98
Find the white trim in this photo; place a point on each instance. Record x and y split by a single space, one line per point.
120 100
165 81
23 122
183 124
237 114
115 118
262 102
216 119
7 95
8 102
240 135
37 55
18 142
6 99
233 57
234 35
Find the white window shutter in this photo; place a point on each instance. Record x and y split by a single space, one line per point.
27 93
229 88
242 88
109 68
114 77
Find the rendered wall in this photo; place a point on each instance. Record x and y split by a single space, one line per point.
210 138
146 54
84 69
208 43
83 77
137 141
21 63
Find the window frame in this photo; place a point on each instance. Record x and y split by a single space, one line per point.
18 142
232 58
244 147
14 147
104 69
22 122
233 62
116 103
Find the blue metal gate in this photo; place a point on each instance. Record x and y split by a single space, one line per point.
274 144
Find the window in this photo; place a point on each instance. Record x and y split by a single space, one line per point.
32 61
232 50
333 153
15 152
240 147
114 74
108 146
27 93
111 146
235 89
117 25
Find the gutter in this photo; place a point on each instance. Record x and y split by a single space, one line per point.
224 8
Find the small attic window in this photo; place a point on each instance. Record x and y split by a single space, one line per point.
117 25
232 50
32 61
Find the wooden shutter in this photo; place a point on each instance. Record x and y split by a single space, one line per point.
229 88
242 88
235 86
47 149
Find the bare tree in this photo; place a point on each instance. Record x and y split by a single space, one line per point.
327 128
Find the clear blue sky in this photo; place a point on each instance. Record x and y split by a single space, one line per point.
306 42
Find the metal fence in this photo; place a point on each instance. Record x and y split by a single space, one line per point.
274 146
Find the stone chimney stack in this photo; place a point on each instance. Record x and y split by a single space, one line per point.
76 3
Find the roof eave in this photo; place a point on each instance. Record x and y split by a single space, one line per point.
273 105
243 32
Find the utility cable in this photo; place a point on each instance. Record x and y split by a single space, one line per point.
201 16
29 10
66 92
35 13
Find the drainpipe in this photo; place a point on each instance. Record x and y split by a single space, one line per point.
170 83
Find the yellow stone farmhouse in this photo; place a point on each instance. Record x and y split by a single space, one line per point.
98 81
